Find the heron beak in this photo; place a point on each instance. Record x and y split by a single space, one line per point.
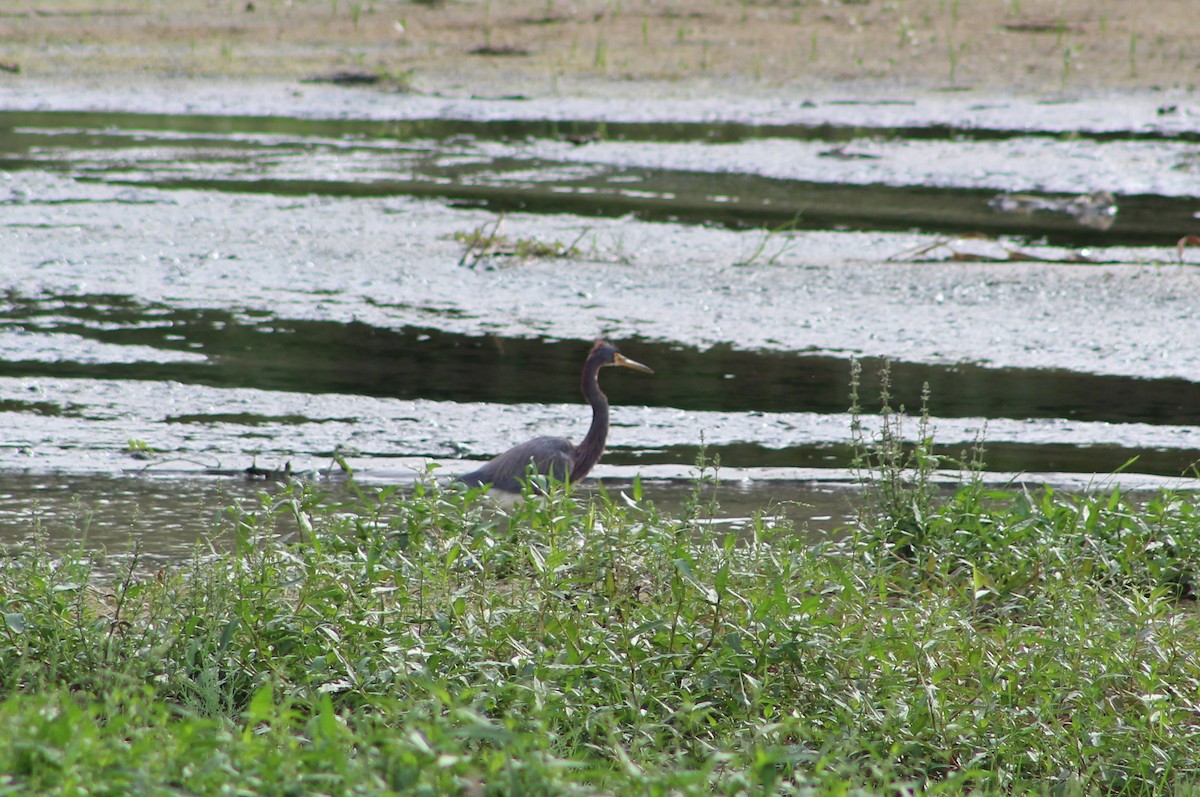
625 362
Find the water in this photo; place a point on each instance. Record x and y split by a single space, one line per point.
270 352
514 165
192 295
167 520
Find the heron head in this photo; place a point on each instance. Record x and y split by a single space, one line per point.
608 354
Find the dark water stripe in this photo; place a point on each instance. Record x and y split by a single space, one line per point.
95 123
756 203
996 457
260 351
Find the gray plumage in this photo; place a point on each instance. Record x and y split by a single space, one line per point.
557 457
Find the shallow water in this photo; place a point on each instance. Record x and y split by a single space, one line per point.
191 295
168 519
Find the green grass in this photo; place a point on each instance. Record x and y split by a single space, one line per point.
424 643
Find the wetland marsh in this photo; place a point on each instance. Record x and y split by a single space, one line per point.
215 259
199 292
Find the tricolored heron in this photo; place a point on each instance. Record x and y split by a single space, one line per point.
557 457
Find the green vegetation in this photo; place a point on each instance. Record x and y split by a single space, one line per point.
766 237
483 244
140 449
427 643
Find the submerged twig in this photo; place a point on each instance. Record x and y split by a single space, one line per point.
477 246
919 253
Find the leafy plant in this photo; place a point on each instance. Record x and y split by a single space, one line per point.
898 478
140 449
425 641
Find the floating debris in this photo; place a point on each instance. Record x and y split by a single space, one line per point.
504 51
1041 25
1097 210
345 77
844 153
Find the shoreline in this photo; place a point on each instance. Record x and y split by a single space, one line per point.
631 48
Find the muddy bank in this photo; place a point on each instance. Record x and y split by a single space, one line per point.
694 49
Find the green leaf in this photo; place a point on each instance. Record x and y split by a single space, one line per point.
538 559
228 631
261 708
688 573
327 723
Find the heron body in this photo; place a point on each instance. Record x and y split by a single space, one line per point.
557 457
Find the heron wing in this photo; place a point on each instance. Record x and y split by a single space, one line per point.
550 456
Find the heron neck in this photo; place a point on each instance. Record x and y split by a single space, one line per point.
589 451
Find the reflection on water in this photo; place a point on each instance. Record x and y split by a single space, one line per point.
1003 457
226 349
318 369
165 517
